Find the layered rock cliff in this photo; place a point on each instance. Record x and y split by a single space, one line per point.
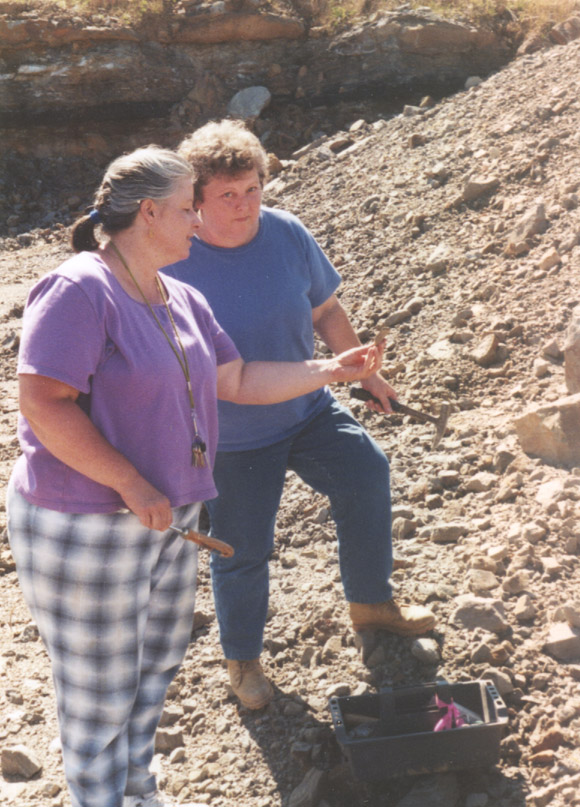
184 68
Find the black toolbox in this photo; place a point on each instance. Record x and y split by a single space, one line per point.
392 733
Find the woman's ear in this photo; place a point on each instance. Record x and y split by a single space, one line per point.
147 209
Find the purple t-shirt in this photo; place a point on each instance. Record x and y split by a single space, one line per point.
82 328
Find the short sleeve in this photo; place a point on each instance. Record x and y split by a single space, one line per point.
323 276
62 337
225 349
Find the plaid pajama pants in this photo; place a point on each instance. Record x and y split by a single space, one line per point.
114 603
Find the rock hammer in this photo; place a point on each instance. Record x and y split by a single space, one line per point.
440 422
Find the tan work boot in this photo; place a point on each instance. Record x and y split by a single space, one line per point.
404 620
249 683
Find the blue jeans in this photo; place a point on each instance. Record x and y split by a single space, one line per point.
336 457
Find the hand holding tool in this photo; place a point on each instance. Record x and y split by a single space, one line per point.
440 422
206 541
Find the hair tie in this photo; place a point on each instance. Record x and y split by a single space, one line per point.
95 216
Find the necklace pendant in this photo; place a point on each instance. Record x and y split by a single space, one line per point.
198 449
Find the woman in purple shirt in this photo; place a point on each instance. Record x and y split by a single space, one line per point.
119 375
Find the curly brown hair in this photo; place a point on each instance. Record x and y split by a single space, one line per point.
223 148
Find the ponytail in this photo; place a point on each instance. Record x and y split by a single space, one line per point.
83 232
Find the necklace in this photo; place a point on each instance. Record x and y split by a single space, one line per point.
198 446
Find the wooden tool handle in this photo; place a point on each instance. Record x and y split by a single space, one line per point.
208 542
364 395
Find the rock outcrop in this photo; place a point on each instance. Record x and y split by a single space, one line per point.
55 71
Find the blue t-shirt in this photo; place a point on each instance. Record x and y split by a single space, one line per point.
262 294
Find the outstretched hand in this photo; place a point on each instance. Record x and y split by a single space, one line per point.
357 363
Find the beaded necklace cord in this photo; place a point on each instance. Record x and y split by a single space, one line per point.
198 446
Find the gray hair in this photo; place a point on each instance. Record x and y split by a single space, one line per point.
146 173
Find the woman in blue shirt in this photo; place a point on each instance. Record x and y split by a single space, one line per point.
272 288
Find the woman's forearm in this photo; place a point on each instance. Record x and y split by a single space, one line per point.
333 325
273 382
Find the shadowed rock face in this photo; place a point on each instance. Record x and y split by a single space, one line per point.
61 70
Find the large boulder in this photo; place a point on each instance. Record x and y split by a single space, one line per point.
552 431
248 103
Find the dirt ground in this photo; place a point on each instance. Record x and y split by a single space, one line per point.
475 518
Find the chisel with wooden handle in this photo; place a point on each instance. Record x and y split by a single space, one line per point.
206 541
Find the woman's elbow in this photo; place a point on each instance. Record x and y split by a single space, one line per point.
29 404
38 395
230 381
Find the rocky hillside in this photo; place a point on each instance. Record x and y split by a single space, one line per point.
457 226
